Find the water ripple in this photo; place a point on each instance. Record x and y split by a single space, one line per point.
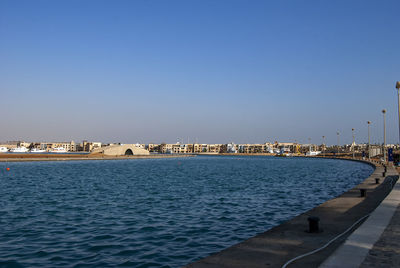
154 212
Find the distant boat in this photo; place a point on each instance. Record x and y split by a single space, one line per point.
3 149
313 153
284 155
36 150
58 150
21 149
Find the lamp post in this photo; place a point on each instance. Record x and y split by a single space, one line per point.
398 103
337 133
369 150
384 135
323 145
309 142
352 131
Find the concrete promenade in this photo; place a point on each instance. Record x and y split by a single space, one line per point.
285 242
376 243
386 251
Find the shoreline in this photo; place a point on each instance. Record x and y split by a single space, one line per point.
288 240
77 157
26 157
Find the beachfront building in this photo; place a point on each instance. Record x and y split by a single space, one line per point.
8 146
24 144
13 144
86 146
68 146
182 148
166 148
151 147
354 147
288 147
231 148
199 148
255 148
48 146
35 145
375 150
178 148
305 148
393 146
214 148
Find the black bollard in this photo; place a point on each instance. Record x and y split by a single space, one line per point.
313 224
363 192
383 174
377 180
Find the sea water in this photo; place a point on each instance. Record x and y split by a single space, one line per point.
155 212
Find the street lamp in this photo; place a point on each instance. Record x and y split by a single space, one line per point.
337 133
352 131
384 135
369 150
398 103
323 145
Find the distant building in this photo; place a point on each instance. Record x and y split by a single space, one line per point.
231 148
151 147
255 148
24 144
89 146
178 148
68 146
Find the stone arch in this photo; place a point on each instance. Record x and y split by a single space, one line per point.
128 152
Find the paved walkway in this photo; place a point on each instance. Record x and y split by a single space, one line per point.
386 252
376 243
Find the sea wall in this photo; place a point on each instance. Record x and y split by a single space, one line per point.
290 239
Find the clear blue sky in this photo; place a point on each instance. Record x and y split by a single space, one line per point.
216 71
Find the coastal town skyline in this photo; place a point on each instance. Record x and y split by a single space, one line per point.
182 141
212 72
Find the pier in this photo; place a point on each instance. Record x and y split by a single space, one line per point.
344 218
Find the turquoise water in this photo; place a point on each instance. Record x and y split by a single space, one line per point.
154 212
